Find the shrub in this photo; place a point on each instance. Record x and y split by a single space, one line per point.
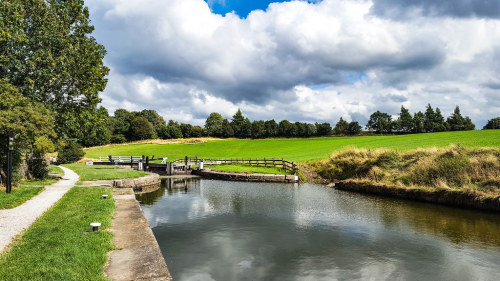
38 168
119 138
70 153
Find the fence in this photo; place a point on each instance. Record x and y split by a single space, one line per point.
120 158
279 163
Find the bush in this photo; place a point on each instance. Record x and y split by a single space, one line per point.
119 138
38 167
70 153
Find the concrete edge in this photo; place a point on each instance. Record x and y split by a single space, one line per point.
138 256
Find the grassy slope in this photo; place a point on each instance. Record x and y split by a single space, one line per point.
300 149
91 173
57 246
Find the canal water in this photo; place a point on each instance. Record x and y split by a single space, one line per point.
218 230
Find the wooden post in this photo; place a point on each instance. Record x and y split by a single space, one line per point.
274 162
110 158
283 163
186 161
265 162
250 161
147 164
257 162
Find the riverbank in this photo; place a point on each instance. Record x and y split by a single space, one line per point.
457 176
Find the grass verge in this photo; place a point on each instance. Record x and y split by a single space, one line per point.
467 170
23 192
248 169
57 246
92 173
56 170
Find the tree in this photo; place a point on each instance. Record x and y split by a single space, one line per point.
271 128
246 129
237 122
353 128
341 127
100 133
198 132
323 129
459 123
380 122
31 124
492 124
227 129
405 123
418 121
154 118
429 119
310 130
47 53
286 129
439 124
187 130
213 125
141 129
258 129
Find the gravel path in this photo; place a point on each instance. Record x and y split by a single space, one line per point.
14 221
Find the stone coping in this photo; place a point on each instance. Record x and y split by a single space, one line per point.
252 177
138 256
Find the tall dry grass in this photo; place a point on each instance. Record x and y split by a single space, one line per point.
453 167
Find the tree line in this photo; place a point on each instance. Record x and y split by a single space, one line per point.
148 124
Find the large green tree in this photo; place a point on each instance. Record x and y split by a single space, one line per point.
213 125
492 124
405 123
47 53
380 122
31 124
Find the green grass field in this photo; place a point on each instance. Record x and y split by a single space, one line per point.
58 247
92 173
299 149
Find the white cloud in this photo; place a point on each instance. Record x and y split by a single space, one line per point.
177 57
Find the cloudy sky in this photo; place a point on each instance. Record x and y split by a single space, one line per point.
300 60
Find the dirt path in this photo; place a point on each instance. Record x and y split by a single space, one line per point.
14 221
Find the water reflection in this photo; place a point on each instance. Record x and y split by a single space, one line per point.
216 230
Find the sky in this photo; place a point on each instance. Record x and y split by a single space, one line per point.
307 61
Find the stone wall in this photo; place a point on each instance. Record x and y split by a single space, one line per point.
149 180
207 173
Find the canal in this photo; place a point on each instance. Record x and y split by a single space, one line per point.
218 230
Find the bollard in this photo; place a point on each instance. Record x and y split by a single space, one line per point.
95 226
104 196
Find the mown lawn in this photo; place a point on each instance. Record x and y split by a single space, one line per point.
299 149
58 247
92 173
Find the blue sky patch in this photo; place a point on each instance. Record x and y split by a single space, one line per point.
241 7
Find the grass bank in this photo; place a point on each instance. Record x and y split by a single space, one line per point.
472 171
25 190
93 173
57 246
298 150
247 169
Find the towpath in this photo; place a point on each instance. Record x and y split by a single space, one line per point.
14 221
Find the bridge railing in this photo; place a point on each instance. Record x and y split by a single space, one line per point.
265 162
119 158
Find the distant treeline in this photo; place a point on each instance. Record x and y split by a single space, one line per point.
148 124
